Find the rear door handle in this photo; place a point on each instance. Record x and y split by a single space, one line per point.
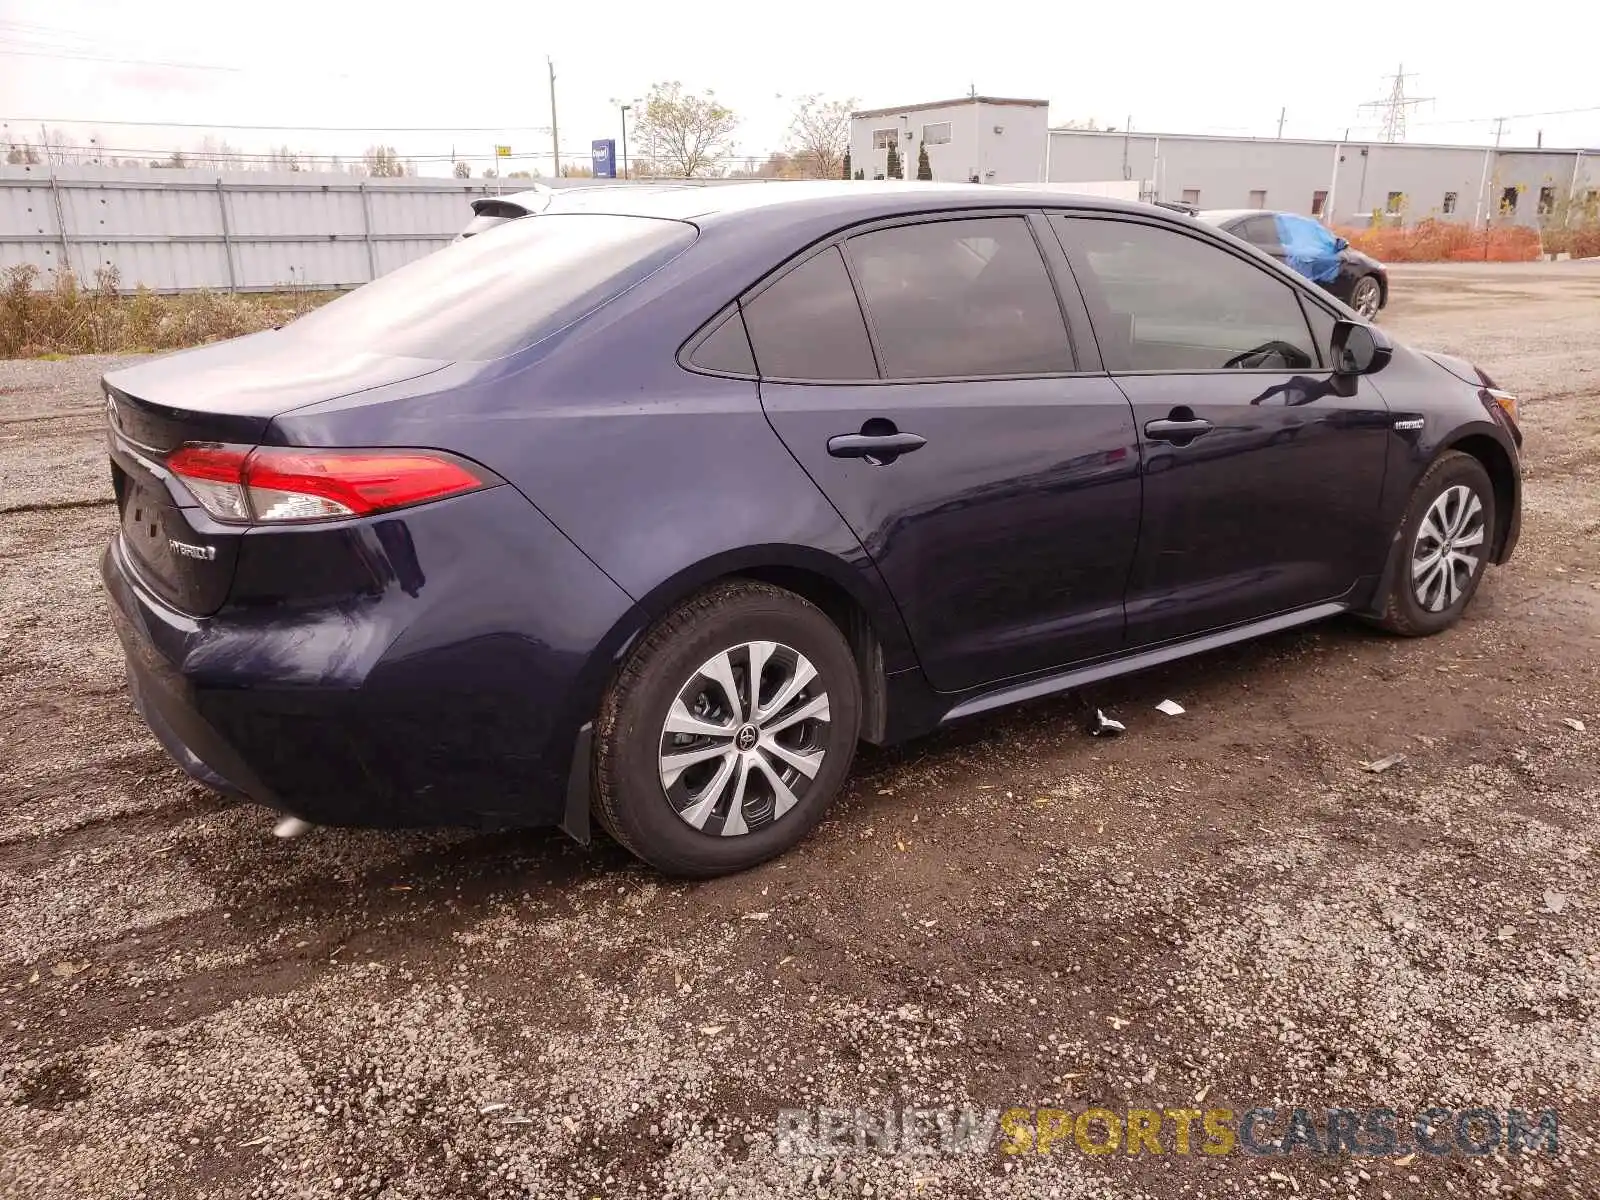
878 447
1176 431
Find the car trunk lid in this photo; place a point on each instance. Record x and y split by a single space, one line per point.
227 393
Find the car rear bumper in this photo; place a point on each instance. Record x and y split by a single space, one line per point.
453 694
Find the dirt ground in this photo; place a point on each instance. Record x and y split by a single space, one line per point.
1219 909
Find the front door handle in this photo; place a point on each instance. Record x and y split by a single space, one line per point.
1179 431
877 448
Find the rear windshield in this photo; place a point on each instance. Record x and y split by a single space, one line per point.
500 291
486 221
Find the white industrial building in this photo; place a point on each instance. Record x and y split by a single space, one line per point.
981 139
1341 182
990 139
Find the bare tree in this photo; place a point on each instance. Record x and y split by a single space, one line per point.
462 171
22 154
688 135
383 163
819 135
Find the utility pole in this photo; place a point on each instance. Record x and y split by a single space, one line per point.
1282 113
1483 183
555 135
1395 105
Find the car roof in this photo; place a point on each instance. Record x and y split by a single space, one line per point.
844 200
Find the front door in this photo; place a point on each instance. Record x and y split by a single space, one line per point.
1261 479
995 486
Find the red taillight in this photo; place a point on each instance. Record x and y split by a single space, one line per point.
284 483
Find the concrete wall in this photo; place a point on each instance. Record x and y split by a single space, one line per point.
999 143
174 231
1287 174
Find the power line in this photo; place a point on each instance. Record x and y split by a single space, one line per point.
215 127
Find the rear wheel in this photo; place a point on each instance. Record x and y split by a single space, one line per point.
1443 547
728 732
1367 297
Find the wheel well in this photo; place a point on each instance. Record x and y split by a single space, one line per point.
1502 475
852 620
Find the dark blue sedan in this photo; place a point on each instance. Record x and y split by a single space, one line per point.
656 509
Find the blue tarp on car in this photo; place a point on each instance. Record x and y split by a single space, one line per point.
1309 247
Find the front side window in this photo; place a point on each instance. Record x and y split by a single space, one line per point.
808 324
1172 302
957 299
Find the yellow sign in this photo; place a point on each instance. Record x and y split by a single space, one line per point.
502 151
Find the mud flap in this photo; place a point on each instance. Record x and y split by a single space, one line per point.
575 821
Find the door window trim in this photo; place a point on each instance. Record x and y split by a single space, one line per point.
1095 299
1074 317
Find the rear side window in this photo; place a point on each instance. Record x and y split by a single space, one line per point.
950 299
490 295
808 324
726 349
1172 302
1259 231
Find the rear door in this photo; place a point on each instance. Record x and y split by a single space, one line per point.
923 374
1262 472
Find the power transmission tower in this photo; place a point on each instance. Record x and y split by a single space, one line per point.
1394 107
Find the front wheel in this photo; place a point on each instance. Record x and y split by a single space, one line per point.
1442 548
728 732
1367 297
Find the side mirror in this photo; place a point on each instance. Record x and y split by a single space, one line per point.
1359 349
1340 243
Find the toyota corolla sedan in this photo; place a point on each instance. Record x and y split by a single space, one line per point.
654 513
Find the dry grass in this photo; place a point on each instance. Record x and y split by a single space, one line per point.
60 315
1446 241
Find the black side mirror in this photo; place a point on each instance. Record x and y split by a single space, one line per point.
1339 243
1359 349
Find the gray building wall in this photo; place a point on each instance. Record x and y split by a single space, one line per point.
1360 176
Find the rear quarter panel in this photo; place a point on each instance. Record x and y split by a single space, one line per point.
665 478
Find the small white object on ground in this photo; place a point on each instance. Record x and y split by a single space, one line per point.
1171 707
1555 902
290 827
1378 765
1574 723
1105 726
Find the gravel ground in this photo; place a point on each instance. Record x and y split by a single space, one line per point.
1220 909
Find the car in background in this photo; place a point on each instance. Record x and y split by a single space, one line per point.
490 211
1313 250
655 508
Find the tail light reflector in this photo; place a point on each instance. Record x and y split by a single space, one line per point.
279 484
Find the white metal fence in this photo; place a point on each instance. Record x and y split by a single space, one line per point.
242 231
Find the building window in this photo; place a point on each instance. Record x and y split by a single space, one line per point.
937 134
1395 202
1547 201
1191 195
1258 198
1449 202
882 139
1319 201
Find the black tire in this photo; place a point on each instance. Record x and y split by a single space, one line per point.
630 798
1375 285
1402 612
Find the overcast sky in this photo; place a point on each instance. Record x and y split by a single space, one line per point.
469 75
